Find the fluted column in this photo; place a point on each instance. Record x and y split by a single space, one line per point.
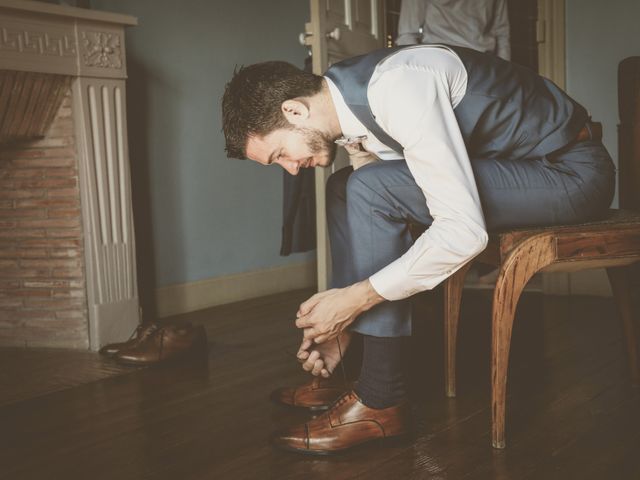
101 129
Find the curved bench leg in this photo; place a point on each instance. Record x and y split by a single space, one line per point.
524 261
619 279
452 299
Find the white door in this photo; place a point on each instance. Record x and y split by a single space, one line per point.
338 29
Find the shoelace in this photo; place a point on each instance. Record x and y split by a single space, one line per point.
343 398
346 396
148 331
135 332
344 373
142 331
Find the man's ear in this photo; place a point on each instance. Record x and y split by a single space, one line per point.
296 111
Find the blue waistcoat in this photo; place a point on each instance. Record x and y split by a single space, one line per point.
507 111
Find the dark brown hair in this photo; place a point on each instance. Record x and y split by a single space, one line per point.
252 100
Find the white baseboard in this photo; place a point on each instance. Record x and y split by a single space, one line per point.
188 297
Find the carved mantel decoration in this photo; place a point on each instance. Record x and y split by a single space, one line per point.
101 49
37 42
85 49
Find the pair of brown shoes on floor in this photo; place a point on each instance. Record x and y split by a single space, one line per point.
153 343
345 423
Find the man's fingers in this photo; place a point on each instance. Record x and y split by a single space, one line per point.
307 305
304 346
310 304
311 361
304 322
352 148
325 373
317 367
310 334
303 350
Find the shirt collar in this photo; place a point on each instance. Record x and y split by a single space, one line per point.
352 127
349 124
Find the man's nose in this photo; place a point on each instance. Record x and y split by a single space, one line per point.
293 168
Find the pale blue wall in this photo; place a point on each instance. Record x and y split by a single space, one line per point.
210 216
599 35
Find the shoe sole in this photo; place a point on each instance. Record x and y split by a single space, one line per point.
108 354
315 408
176 358
395 440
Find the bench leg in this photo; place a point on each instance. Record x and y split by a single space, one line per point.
619 279
523 262
452 298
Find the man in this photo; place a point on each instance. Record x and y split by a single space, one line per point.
468 142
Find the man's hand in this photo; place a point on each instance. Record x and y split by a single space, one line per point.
323 359
326 314
359 157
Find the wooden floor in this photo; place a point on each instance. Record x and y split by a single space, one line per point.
571 412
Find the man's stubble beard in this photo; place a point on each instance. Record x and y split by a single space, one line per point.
320 142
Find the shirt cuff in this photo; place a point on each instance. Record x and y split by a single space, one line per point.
393 282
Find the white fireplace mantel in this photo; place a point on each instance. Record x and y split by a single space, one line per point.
45 38
89 46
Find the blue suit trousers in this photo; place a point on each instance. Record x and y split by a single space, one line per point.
369 211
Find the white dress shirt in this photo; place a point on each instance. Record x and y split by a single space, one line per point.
412 94
479 24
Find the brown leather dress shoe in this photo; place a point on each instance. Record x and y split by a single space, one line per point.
165 343
347 424
140 333
317 394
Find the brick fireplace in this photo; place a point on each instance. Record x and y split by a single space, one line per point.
67 256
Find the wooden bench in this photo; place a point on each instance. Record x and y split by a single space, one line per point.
613 243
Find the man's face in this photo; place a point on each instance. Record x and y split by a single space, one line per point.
293 148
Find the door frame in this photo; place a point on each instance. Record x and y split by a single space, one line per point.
318 38
551 38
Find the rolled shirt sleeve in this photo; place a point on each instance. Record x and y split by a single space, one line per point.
413 103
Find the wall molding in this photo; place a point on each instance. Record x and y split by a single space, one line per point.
551 36
188 297
551 40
